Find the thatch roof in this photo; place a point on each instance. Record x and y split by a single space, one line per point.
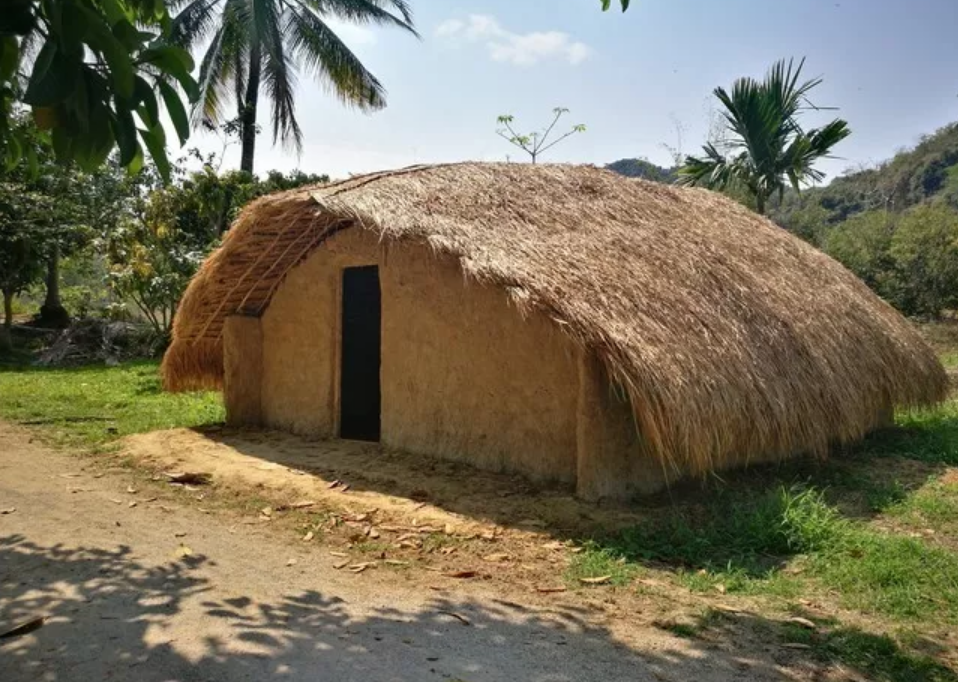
731 336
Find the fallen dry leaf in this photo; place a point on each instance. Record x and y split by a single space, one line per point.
189 477
341 564
291 562
598 580
24 628
341 555
804 622
131 490
359 568
535 523
550 590
8 510
396 562
458 616
796 645
303 504
132 504
309 536
496 558
334 484
266 511
182 552
554 545
461 574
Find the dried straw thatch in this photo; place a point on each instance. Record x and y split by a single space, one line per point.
730 336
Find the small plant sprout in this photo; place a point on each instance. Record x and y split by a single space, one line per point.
538 143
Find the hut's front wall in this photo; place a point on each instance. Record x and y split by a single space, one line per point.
463 375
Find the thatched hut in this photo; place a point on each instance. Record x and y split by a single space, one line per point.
558 321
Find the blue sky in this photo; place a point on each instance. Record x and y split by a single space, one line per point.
890 66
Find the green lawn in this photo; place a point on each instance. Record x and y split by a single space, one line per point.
91 406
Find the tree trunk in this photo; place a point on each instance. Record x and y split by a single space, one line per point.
52 312
6 337
248 113
760 204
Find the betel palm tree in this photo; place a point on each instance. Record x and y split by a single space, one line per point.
766 146
256 44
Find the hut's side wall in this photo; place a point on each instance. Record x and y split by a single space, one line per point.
612 462
243 370
463 375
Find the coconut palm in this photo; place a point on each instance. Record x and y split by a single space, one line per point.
256 44
766 146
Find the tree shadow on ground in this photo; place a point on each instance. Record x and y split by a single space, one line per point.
112 617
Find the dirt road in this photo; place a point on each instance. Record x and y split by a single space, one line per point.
160 592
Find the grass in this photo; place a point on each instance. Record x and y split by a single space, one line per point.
759 544
91 406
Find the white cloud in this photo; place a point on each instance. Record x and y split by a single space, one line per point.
522 49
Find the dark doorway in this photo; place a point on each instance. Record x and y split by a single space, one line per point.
359 393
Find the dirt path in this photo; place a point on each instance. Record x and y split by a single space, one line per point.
165 592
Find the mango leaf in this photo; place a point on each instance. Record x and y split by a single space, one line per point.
124 131
176 110
101 39
174 61
149 111
9 57
155 142
115 12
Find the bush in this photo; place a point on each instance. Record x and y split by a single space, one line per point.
924 249
910 259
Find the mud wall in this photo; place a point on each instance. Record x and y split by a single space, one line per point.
463 375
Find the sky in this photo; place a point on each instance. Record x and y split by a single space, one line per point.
640 82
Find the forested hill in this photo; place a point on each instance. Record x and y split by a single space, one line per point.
640 168
927 172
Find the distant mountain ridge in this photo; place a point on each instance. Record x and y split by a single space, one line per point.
641 168
926 173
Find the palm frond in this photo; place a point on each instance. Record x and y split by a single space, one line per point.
193 22
279 77
331 62
366 12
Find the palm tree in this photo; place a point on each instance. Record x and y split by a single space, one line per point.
254 44
767 146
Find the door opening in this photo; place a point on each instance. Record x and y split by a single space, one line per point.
359 389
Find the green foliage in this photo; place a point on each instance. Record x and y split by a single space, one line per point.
767 146
89 70
535 144
862 244
167 230
910 259
924 249
927 172
91 406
